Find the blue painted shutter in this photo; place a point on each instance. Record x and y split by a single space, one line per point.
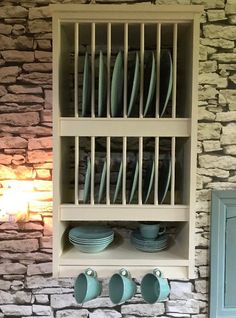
230 258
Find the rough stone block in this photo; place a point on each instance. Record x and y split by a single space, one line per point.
218 173
9 74
37 156
181 306
73 313
41 310
27 245
204 114
104 313
213 79
22 119
40 26
214 31
5 160
180 290
18 56
224 57
6 298
230 7
22 297
207 66
36 78
209 131
42 299
40 143
8 11
43 56
5 29
39 13
201 286
63 301
211 145
39 269
226 116
216 161
12 268
210 4
16 310
216 15
221 43
48 99
221 185
206 93
142 309
24 89
37 67
46 242
4 284
230 150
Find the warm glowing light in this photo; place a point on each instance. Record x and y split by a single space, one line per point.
15 201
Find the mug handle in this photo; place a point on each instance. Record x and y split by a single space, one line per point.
163 231
124 272
90 272
157 272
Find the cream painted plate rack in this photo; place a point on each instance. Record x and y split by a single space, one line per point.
125 113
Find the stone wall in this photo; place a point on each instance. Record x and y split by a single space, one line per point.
26 286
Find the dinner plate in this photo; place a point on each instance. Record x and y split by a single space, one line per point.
117 86
86 90
135 85
164 177
134 183
101 86
118 182
87 181
165 80
148 181
102 182
151 74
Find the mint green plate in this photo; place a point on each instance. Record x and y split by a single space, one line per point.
102 182
134 183
152 86
165 80
87 182
102 86
164 177
149 181
135 86
118 182
117 87
86 90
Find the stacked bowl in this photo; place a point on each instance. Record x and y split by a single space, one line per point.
91 238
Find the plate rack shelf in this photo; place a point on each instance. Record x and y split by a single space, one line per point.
124 123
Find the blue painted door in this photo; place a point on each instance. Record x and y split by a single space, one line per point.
230 258
223 255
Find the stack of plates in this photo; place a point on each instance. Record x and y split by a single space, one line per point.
147 245
91 238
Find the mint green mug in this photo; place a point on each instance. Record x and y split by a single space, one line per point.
154 287
121 287
87 286
150 230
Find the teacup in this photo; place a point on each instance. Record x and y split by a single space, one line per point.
154 287
121 287
150 230
87 286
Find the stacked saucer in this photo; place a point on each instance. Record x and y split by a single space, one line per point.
149 245
91 238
